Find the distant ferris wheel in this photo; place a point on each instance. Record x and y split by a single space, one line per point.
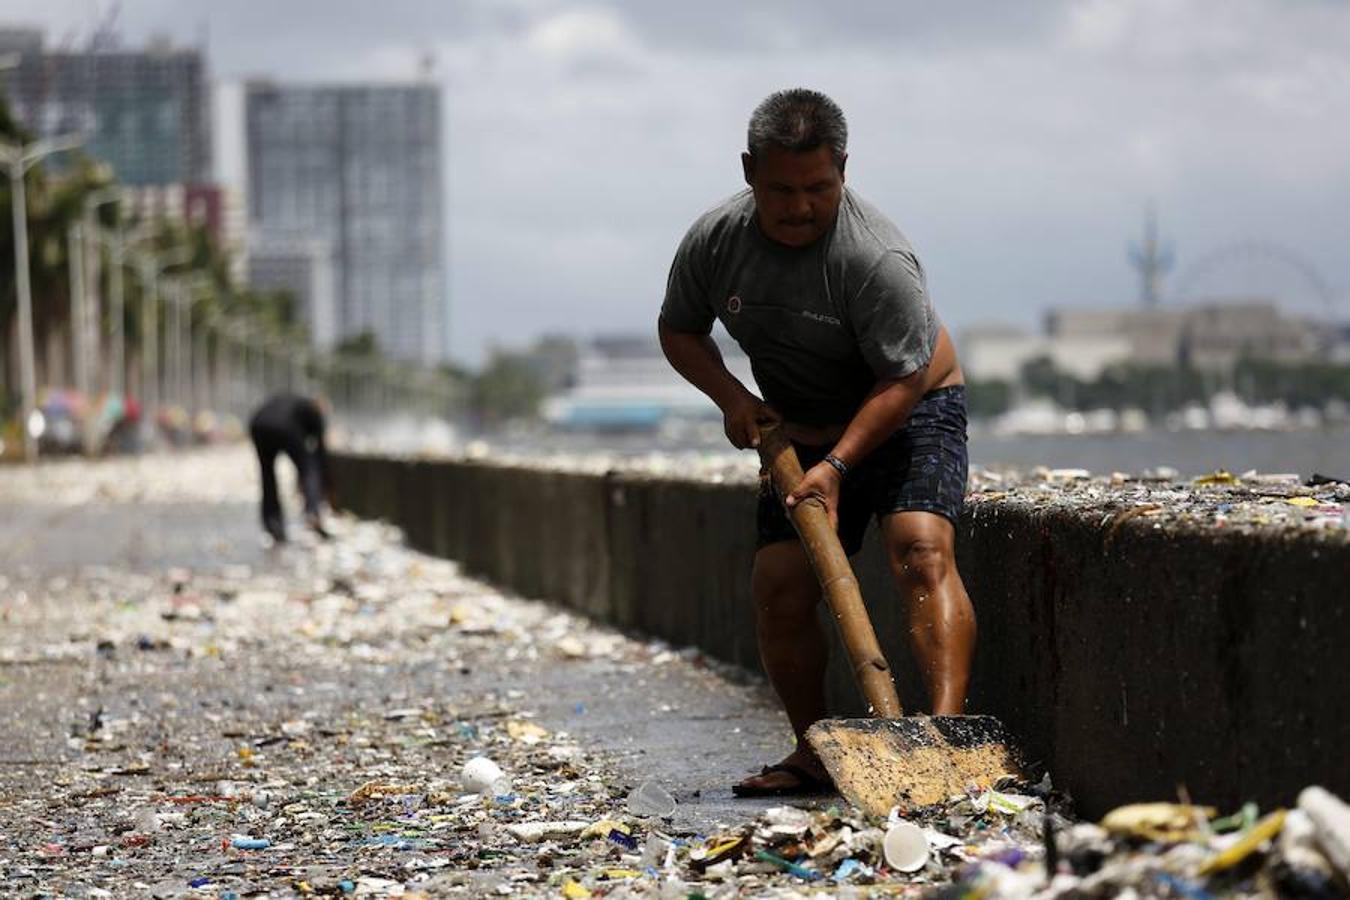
1257 270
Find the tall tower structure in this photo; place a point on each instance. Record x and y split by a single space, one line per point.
1152 259
358 168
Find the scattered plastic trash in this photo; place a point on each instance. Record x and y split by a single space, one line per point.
623 839
372 798
848 868
717 850
533 832
657 852
651 800
481 775
1008 804
1248 844
1330 817
787 866
905 847
525 732
1157 821
1158 497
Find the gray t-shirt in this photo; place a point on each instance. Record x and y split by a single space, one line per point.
822 324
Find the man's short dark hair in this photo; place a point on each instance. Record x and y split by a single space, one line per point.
799 120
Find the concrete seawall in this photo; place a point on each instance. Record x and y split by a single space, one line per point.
1127 658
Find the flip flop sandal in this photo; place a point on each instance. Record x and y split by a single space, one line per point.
806 784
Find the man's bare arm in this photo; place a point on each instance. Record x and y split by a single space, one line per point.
887 407
884 411
697 359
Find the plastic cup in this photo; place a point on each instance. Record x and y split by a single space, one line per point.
905 847
654 852
481 775
650 799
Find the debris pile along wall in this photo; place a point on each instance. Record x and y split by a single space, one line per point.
1128 660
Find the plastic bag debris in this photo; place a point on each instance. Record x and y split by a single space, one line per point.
525 732
650 800
533 832
1330 817
481 775
1158 821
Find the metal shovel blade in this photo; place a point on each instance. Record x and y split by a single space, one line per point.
911 761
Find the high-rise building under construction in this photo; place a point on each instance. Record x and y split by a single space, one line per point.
145 112
357 167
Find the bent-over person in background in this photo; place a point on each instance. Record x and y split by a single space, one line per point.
294 425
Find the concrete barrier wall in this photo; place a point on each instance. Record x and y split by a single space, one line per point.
1126 663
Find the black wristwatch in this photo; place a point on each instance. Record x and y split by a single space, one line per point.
839 465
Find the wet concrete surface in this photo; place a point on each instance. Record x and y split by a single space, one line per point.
149 635
45 539
185 711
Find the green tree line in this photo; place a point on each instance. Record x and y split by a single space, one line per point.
1158 390
58 194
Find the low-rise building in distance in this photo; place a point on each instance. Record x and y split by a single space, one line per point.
1084 342
1209 336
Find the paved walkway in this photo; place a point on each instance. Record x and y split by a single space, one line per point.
172 690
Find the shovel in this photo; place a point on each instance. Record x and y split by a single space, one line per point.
891 759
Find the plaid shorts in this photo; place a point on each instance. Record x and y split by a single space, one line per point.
923 466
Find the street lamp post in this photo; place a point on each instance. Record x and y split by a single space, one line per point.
93 238
151 268
255 361
196 348
219 377
201 363
173 347
117 317
79 331
179 337
18 159
243 390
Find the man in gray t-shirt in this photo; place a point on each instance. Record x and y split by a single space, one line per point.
829 301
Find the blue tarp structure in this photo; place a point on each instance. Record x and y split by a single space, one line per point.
613 417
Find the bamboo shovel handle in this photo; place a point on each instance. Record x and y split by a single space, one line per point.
835 575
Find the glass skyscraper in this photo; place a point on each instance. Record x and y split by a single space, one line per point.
145 112
359 167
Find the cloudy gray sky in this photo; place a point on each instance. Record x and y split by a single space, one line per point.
1016 143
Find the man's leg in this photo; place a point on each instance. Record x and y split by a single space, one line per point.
311 486
792 648
921 547
271 500
309 483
